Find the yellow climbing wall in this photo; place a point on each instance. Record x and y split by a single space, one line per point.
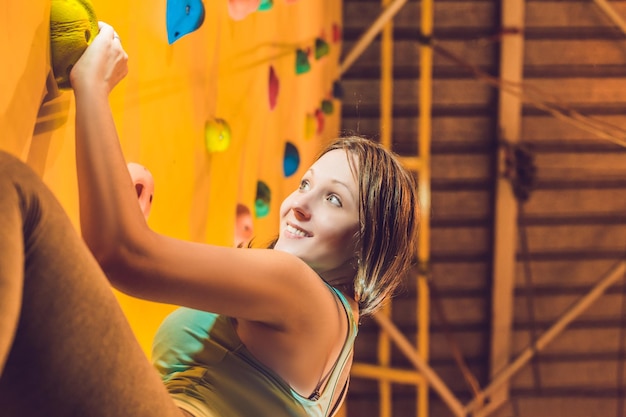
170 96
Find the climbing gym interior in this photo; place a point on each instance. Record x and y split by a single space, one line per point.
225 102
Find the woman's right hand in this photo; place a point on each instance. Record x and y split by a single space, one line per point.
103 64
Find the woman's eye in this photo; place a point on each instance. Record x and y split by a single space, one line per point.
304 184
334 200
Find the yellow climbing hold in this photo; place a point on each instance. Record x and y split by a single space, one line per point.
73 25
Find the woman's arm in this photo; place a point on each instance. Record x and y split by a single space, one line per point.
256 285
107 200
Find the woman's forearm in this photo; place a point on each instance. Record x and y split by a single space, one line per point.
109 212
106 198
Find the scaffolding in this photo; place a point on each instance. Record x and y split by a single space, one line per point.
419 164
503 367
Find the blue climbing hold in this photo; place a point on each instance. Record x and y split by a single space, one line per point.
291 160
183 17
338 92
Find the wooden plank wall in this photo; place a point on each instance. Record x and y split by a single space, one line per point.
572 228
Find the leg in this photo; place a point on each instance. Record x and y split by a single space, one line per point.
65 346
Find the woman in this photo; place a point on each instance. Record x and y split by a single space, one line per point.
263 332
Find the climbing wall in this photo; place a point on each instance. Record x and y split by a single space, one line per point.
224 111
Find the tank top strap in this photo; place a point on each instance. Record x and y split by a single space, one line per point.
334 373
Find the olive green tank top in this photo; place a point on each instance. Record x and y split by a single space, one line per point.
202 360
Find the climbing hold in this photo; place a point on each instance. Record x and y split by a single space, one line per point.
266 5
73 25
321 48
274 86
239 9
337 90
310 126
262 201
217 135
183 17
291 160
144 186
319 115
336 33
327 106
244 227
302 61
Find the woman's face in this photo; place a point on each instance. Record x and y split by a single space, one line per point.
319 221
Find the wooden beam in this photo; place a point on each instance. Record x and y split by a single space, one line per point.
424 139
400 376
610 278
364 41
420 364
506 209
612 14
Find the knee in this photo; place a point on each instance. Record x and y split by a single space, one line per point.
22 191
14 170
19 183
6 157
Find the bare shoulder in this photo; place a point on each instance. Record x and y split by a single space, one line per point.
260 285
306 346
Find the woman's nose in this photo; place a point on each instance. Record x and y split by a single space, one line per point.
300 208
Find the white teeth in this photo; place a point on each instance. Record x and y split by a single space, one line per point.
295 231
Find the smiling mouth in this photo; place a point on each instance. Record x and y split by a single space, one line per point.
296 231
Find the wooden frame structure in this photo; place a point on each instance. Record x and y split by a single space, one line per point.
502 366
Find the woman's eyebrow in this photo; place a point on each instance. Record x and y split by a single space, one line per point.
336 181
346 187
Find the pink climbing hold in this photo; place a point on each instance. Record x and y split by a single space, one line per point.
239 9
244 226
274 87
144 186
336 33
319 115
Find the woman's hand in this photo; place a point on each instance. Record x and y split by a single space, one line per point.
103 64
